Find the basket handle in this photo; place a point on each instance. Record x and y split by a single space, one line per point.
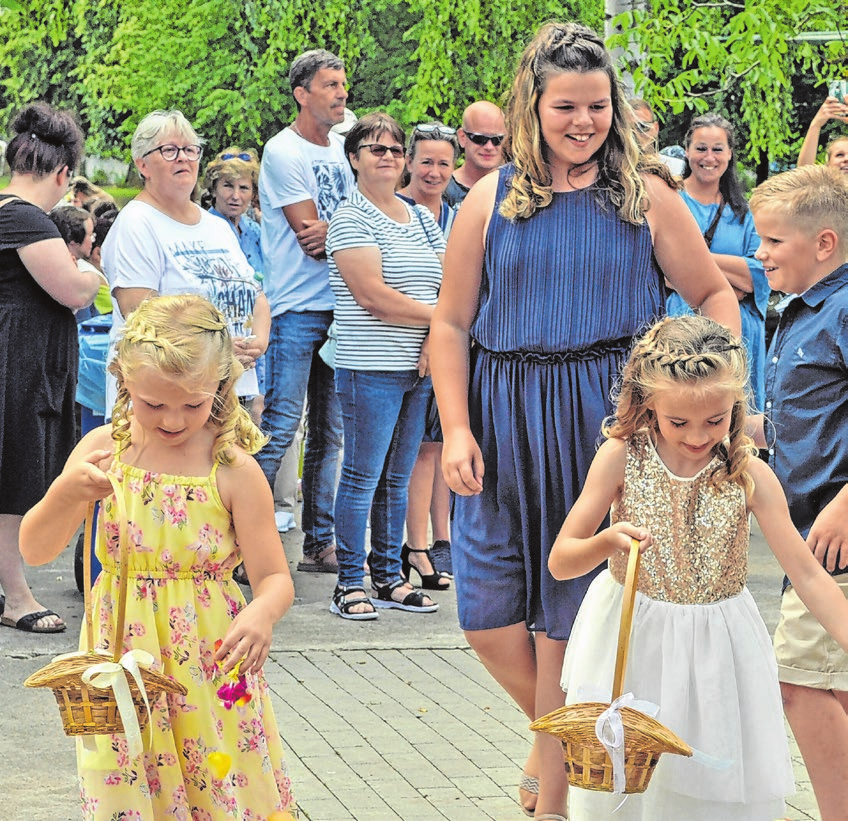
90 516
124 570
627 603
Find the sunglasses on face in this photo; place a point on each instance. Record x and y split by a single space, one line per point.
242 156
430 128
482 139
170 152
379 150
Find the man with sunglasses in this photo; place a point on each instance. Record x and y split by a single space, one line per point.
481 137
303 177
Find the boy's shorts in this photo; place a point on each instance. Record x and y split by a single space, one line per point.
806 653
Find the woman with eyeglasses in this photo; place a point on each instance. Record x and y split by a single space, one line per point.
40 288
164 243
385 259
431 156
550 270
713 193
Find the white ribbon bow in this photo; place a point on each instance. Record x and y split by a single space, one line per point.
609 729
110 674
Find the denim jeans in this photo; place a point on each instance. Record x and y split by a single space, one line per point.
294 372
383 413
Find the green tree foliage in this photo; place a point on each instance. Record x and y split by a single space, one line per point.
740 57
224 63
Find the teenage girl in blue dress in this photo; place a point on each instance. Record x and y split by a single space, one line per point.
550 272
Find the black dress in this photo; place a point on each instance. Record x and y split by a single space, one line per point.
38 366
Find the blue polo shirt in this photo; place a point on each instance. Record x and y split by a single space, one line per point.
807 398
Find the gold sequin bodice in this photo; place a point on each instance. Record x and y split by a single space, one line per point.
700 550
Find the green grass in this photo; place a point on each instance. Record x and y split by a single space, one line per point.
121 195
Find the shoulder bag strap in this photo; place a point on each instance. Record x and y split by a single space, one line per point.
710 232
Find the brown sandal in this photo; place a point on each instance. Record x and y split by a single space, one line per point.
324 562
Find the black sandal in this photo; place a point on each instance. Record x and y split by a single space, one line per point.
412 602
342 604
429 581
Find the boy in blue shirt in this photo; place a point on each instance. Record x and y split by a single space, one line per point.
801 217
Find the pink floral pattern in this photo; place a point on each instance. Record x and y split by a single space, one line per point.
182 552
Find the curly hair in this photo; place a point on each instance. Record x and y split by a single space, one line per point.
571 47
186 337
230 165
687 352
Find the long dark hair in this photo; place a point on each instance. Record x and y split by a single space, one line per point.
45 140
729 185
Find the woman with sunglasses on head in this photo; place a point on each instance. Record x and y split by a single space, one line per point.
431 156
385 259
550 271
713 193
164 243
40 288
647 130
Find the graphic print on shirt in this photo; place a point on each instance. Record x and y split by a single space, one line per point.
231 288
331 181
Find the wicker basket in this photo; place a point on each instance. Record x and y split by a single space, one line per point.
586 759
83 708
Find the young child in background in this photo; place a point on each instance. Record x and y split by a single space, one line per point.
802 219
678 471
197 502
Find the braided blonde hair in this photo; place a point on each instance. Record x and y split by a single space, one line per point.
687 352
571 47
184 336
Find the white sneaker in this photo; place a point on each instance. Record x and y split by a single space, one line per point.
285 521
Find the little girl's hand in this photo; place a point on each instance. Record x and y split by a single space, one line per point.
623 533
247 641
88 479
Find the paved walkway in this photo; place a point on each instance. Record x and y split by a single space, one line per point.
385 721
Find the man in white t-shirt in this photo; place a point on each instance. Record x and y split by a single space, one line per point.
303 177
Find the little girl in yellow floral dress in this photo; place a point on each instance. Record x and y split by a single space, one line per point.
180 449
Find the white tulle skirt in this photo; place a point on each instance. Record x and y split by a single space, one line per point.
711 670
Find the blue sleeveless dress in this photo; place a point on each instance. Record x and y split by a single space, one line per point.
561 298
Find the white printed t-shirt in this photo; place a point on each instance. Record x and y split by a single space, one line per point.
410 264
295 170
147 249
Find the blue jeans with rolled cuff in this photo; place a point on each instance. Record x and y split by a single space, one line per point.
383 414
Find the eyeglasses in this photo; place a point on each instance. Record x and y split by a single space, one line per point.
242 156
170 152
430 128
379 150
482 139
644 125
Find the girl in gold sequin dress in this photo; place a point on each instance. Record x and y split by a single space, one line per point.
679 474
196 503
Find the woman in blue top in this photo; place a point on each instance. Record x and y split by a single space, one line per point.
549 270
713 193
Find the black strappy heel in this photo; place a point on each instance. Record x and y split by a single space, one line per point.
430 581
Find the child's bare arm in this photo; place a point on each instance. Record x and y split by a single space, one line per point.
246 493
578 549
48 527
817 589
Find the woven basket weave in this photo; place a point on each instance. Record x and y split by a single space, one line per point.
88 710
586 760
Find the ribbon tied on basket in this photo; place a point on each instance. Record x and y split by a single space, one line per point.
609 729
110 674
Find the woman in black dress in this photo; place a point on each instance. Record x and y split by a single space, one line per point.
40 288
